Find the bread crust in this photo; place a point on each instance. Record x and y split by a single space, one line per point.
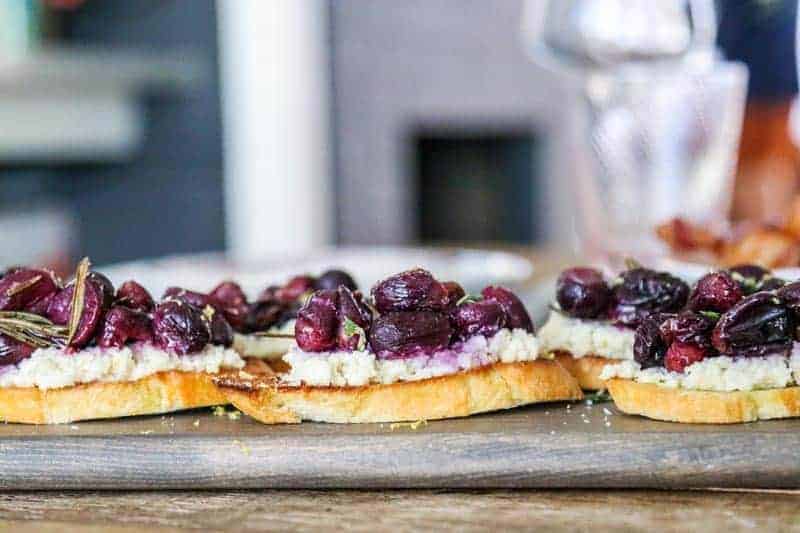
490 388
586 369
159 393
703 407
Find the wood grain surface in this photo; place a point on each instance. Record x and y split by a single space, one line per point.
402 511
545 446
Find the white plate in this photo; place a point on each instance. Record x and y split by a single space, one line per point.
473 268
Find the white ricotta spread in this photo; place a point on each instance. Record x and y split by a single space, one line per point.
721 374
265 347
360 368
51 368
586 337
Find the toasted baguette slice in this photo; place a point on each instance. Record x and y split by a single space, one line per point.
490 388
703 407
159 393
585 369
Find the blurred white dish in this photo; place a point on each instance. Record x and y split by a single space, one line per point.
473 268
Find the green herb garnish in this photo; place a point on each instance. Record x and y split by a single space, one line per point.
351 328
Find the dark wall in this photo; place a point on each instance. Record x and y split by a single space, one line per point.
169 199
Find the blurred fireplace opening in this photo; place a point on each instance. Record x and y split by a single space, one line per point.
476 188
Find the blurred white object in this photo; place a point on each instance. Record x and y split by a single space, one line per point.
584 35
43 236
474 269
275 115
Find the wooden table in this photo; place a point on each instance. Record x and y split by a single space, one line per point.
403 511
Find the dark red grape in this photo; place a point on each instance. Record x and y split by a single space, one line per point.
295 288
262 315
134 296
772 284
750 277
105 286
485 317
413 290
687 327
402 334
180 327
517 316
194 298
759 319
790 296
643 292
332 279
59 306
13 351
317 322
352 312
582 293
680 355
122 325
455 292
648 345
25 288
219 327
232 302
91 314
716 291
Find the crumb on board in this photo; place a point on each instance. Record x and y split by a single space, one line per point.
146 432
73 427
196 423
242 446
411 425
219 410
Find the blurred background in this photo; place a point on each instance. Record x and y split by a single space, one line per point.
140 129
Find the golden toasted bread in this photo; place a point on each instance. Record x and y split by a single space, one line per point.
585 369
490 388
703 407
159 393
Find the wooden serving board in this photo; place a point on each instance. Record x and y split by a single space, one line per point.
539 446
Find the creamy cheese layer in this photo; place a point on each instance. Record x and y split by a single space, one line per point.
359 368
586 337
51 368
721 374
265 347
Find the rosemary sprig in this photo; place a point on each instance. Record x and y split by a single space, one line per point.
22 285
78 293
31 329
269 335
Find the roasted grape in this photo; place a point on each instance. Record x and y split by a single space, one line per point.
352 312
134 296
26 288
317 322
332 279
485 317
517 316
180 327
413 290
643 292
759 320
680 355
582 293
122 325
687 327
403 333
716 291
13 351
648 346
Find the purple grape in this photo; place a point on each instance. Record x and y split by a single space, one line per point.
760 320
220 329
485 317
13 351
122 325
134 296
295 288
59 306
351 308
263 315
402 334
790 296
750 277
317 325
91 314
648 345
180 327
413 290
680 355
332 279
643 292
716 291
582 293
687 327
193 298
231 299
517 316
455 292
105 286
26 288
